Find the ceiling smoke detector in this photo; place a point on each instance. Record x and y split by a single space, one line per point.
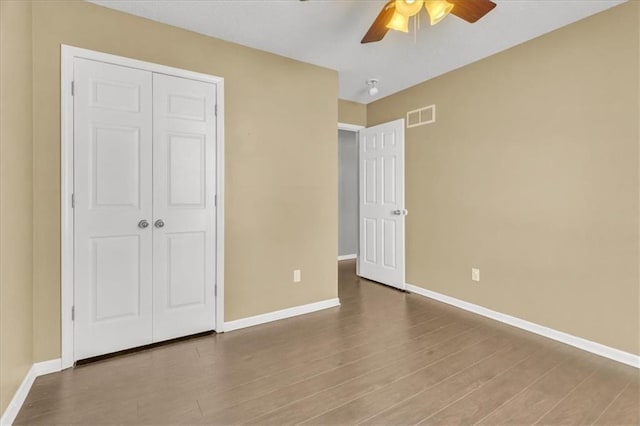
373 86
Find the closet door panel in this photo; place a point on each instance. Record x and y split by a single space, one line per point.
113 194
184 211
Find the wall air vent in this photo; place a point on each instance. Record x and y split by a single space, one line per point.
421 116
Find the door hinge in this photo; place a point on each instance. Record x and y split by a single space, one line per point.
73 313
73 201
216 109
73 88
215 200
215 290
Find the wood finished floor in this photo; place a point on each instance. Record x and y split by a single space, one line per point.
383 357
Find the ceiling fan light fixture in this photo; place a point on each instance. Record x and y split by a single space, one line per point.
399 22
408 8
437 10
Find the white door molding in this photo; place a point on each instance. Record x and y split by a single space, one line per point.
68 55
350 127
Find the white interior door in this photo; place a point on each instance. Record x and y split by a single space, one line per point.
184 179
382 213
113 198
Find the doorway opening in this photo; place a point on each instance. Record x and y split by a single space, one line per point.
347 192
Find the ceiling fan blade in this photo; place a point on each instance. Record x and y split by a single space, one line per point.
471 10
379 27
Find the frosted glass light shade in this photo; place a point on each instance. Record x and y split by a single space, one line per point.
399 22
437 10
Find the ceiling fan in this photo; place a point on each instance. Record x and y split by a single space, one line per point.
396 13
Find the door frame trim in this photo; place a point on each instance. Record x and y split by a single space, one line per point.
350 127
67 56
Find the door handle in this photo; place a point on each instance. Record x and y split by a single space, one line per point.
159 223
402 212
143 224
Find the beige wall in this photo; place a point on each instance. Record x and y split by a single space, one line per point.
350 112
281 159
16 198
531 175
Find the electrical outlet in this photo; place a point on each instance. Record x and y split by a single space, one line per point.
475 274
297 276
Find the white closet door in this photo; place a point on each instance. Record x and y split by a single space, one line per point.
382 212
113 178
183 203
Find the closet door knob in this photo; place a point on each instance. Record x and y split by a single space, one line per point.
159 223
143 224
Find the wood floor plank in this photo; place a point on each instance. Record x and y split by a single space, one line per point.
340 330
589 400
475 405
236 393
115 412
383 356
178 410
415 408
316 404
625 409
222 411
244 368
234 376
528 406
354 410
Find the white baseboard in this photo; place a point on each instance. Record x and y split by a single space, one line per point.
37 369
47 367
347 257
282 314
569 339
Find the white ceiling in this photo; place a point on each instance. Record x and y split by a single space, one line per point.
328 33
